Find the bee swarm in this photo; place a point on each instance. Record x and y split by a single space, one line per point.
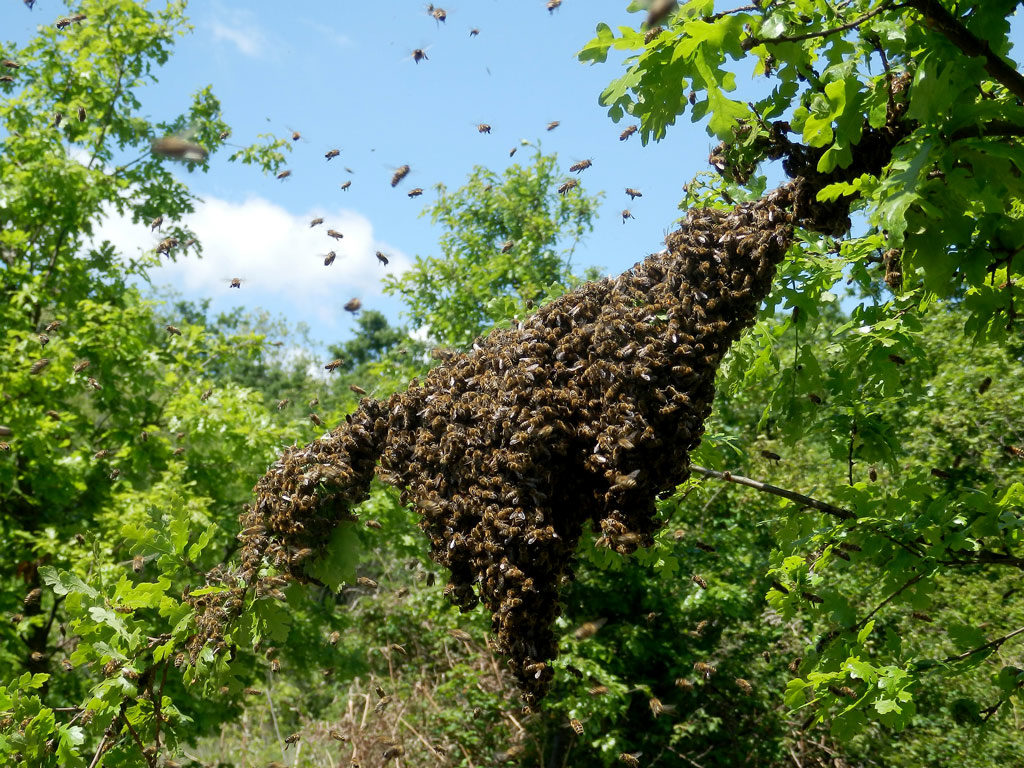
578 417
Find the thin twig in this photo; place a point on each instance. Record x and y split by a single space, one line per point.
990 644
425 743
799 498
752 41
887 600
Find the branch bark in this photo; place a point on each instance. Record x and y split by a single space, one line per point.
799 498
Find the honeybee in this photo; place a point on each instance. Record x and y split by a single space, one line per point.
400 174
178 451
80 366
10 64
57 117
33 596
374 524
985 384
382 258
771 456
293 738
627 133
52 326
816 399
627 214
652 34
284 175
39 365
345 186
81 114
318 220
598 690
6 78
5 447
381 705
331 367
334 637
483 128
699 581
460 635
873 475
329 258
845 691
396 751
897 359
683 684
236 282
474 32
588 629
282 403
224 134
507 246
745 686
512 151
659 10
357 389
576 726
333 153
166 245
296 135
338 735
629 758
705 669
581 166
415 192
569 184
316 419
554 123
353 305
253 692
172 330
418 55
156 223
363 581
633 193
813 598
657 707
178 148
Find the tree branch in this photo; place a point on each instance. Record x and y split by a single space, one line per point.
799 498
753 41
990 644
940 19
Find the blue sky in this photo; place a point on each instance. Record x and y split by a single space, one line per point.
342 75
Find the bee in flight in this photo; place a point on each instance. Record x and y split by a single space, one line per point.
400 174
581 166
483 128
329 258
439 14
627 133
236 282
569 184
553 5
178 148
553 124
633 193
382 258
415 192
284 175
474 32
335 234
345 186
419 55
314 222
626 214
332 154
353 305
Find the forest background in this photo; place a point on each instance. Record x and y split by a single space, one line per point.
881 626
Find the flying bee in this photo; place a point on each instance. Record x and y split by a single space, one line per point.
329 258
178 148
382 258
335 234
627 214
629 758
293 738
438 14
816 399
156 223
569 184
6 78
554 123
418 55
658 11
316 221
357 389
627 133
296 135
39 365
657 707
381 705
80 366
581 166
705 669
316 419
699 581
598 690
353 305
474 32
393 752
178 451
771 456
334 637
330 367
33 596
284 175
171 330
339 736
11 64
345 186
374 524
400 174
166 245
363 581
985 384
43 339
873 475
5 447
507 246
683 684
81 114
461 635
224 134
282 403
236 282
633 193
588 629
415 192
512 151
813 598
206 395
332 154
897 359
137 563
483 128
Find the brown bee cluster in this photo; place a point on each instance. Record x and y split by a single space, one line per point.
575 420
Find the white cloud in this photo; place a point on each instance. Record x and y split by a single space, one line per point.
278 256
238 27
